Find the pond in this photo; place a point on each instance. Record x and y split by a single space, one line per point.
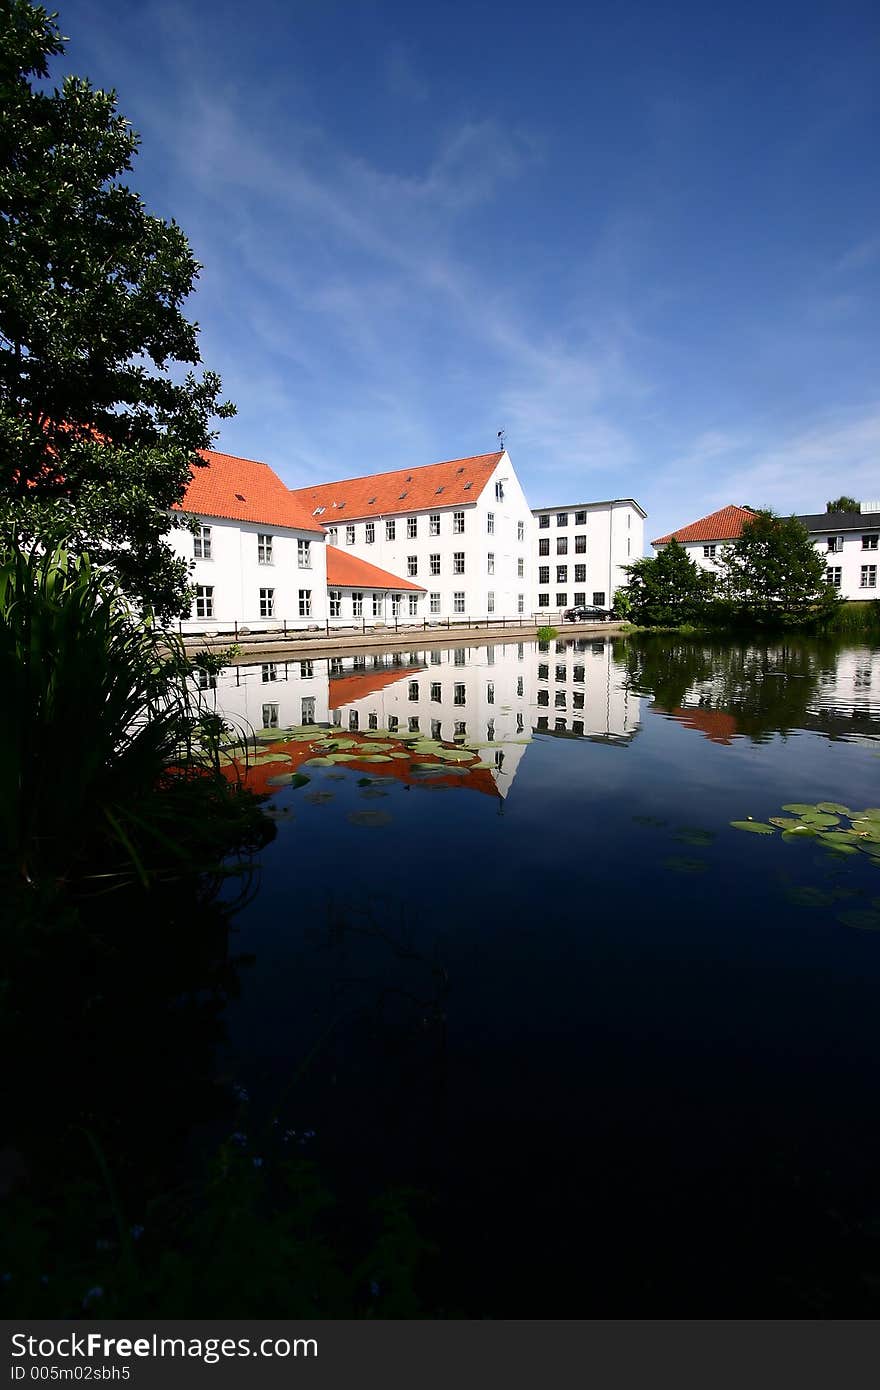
518 965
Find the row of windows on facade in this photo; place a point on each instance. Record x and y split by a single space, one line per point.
458 563
580 574
580 545
413 723
867 579
580 519
204 602
835 543
203 548
580 599
412 528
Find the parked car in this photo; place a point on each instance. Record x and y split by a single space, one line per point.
587 613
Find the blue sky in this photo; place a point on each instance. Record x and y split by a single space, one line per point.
643 238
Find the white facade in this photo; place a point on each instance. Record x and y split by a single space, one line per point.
474 559
579 552
849 544
353 605
253 574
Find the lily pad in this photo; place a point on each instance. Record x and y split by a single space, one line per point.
481 767
375 758
371 818
318 798
289 779
834 807
376 747
755 827
317 762
819 820
840 841
800 832
690 835
371 793
272 758
341 757
685 866
785 822
455 755
799 808
866 919
810 897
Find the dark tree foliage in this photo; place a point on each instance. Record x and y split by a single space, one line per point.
668 589
843 504
99 426
774 573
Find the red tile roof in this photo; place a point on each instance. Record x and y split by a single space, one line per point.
348 572
344 690
453 483
244 490
723 525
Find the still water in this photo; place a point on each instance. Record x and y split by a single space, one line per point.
622 1057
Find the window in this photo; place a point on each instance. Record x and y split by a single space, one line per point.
305 603
599 598
559 699
304 554
520 603
835 544
577 699
336 666
561 672
543 600
834 575
357 604
520 690
490 655
413 690
562 518
490 523
580 545
520 530
628 546
543 574
307 670
490 563
335 603
577 674
562 545
869 577
434 524
459 727
332 535
392 723
372 721
349 535
435 692
264 550
204 600
412 565
270 716
869 542
580 575
377 605
268 672
413 605
499 491
562 574
490 731
709 552
543 697
458 602
435 603
370 533
580 598
458 562
267 603
580 518
561 600
412 527
459 656
520 568
543 523
435 657
544 546
490 692
413 724
395 605
390 530
202 543
434 564
519 724
458 523
436 729
490 601
207 680
353 720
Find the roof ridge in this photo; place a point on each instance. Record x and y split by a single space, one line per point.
405 468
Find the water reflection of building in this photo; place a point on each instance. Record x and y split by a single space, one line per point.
581 692
491 697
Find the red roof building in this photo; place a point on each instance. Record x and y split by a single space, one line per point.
724 525
237 489
347 571
456 482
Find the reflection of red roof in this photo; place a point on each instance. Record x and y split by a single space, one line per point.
723 525
452 483
348 572
345 689
715 724
244 490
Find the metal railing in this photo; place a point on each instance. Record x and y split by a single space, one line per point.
295 629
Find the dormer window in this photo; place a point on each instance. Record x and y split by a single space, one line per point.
371 501
458 471
468 486
401 495
240 497
319 511
439 490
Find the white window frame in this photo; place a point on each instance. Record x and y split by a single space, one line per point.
412 528
370 533
458 601
357 603
349 535
305 603
335 598
390 529
434 604
304 555
204 600
458 562
434 524
267 603
458 523
202 544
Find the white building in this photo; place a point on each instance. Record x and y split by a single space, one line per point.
580 552
847 541
259 558
461 530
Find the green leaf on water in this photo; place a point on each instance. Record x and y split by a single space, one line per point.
317 798
755 827
690 835
317 762
834 807
810 897
375 758
800 832
290 779
799 808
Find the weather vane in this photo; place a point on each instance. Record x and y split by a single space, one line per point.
501 434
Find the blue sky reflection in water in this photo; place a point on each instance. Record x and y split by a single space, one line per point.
626 1053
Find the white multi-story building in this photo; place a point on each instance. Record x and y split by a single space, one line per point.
847 541
461 530
258 558
580 552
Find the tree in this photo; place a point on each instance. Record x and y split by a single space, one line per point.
668 589
773 572
843 504
99 427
